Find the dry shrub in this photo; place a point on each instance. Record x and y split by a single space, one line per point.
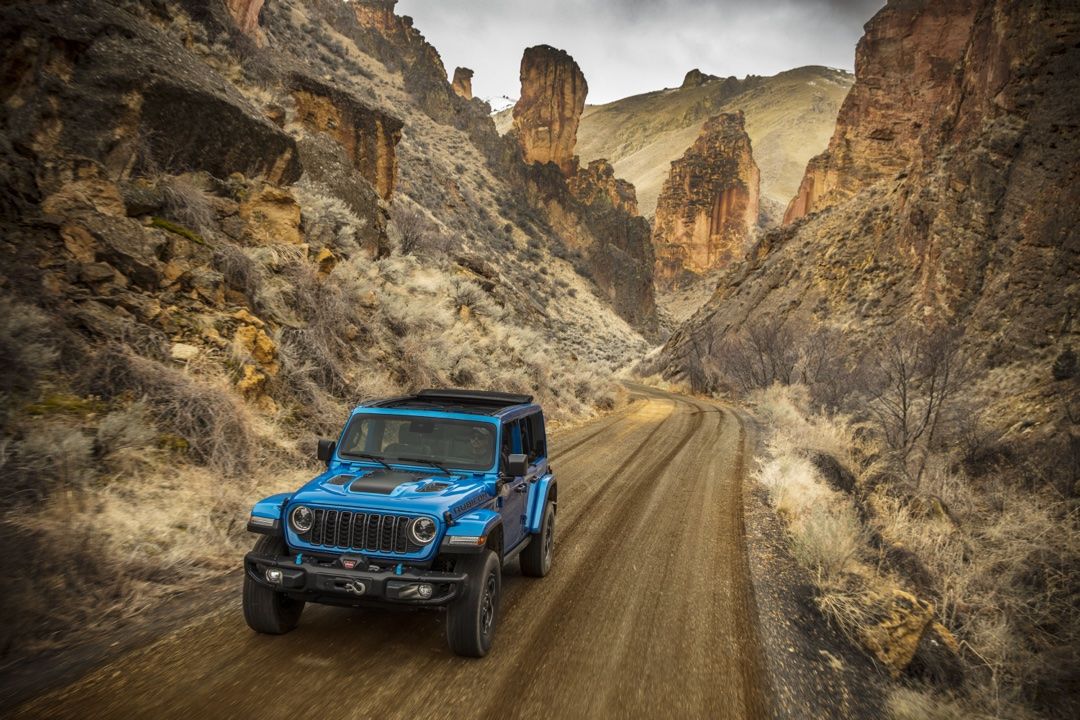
188 203
327 221
126 439
240 272
911 704
1006 567
212 422
48 455
27 346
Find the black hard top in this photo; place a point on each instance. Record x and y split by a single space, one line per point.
484 402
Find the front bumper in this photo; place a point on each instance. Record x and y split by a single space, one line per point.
331 582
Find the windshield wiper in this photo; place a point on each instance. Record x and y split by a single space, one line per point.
432 463
369 456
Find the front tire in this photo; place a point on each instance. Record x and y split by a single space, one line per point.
266 610
471 618
536 558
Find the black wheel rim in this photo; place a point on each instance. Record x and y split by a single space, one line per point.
487 606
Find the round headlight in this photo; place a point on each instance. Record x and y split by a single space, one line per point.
422 530
302 519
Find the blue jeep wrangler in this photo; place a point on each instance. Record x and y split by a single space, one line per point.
424 499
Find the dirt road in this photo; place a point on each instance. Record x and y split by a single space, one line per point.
648 611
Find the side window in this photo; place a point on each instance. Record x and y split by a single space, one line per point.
537 443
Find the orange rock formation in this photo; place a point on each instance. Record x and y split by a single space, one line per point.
463 82
369 136
901 103
546 117
709 203
245 13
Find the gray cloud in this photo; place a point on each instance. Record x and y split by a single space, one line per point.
634 46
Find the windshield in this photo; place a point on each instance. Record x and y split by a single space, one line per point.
419 440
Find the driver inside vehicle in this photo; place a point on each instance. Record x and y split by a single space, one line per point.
479 445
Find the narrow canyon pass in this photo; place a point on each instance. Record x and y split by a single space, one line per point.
800 347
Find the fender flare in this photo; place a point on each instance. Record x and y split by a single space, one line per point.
544 488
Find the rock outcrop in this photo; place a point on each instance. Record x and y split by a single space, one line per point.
369 136
589 185
245 13
462 84
695 78
708 206
86 78
903 104
962 192
547 114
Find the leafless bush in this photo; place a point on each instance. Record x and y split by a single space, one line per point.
210 420
417 234
188 204
764 353
241 273
915 378
26 345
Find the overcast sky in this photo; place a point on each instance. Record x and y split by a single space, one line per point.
633 46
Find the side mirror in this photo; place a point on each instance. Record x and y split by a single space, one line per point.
326 450
517 465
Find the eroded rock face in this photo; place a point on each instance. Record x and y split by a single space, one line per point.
546 116
463 82
88 79
245 13
369 136
708 207
904 101
598 181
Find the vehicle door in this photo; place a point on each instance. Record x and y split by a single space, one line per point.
515 490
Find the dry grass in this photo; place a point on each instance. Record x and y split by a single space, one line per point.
1002 558
214 426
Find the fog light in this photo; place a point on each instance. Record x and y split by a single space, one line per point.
424 590
273 575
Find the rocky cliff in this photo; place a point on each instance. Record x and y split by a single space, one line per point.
901 109
708 206
949 194
463 82
245 14
547 114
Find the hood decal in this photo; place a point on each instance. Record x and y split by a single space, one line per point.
383 482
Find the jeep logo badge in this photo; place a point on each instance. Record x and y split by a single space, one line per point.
355 587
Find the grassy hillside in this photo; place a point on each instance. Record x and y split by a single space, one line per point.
789 118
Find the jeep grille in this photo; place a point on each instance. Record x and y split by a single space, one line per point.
366 532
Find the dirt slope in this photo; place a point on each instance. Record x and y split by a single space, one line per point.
640 616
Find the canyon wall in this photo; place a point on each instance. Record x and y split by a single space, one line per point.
905 100
708 206
949 195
